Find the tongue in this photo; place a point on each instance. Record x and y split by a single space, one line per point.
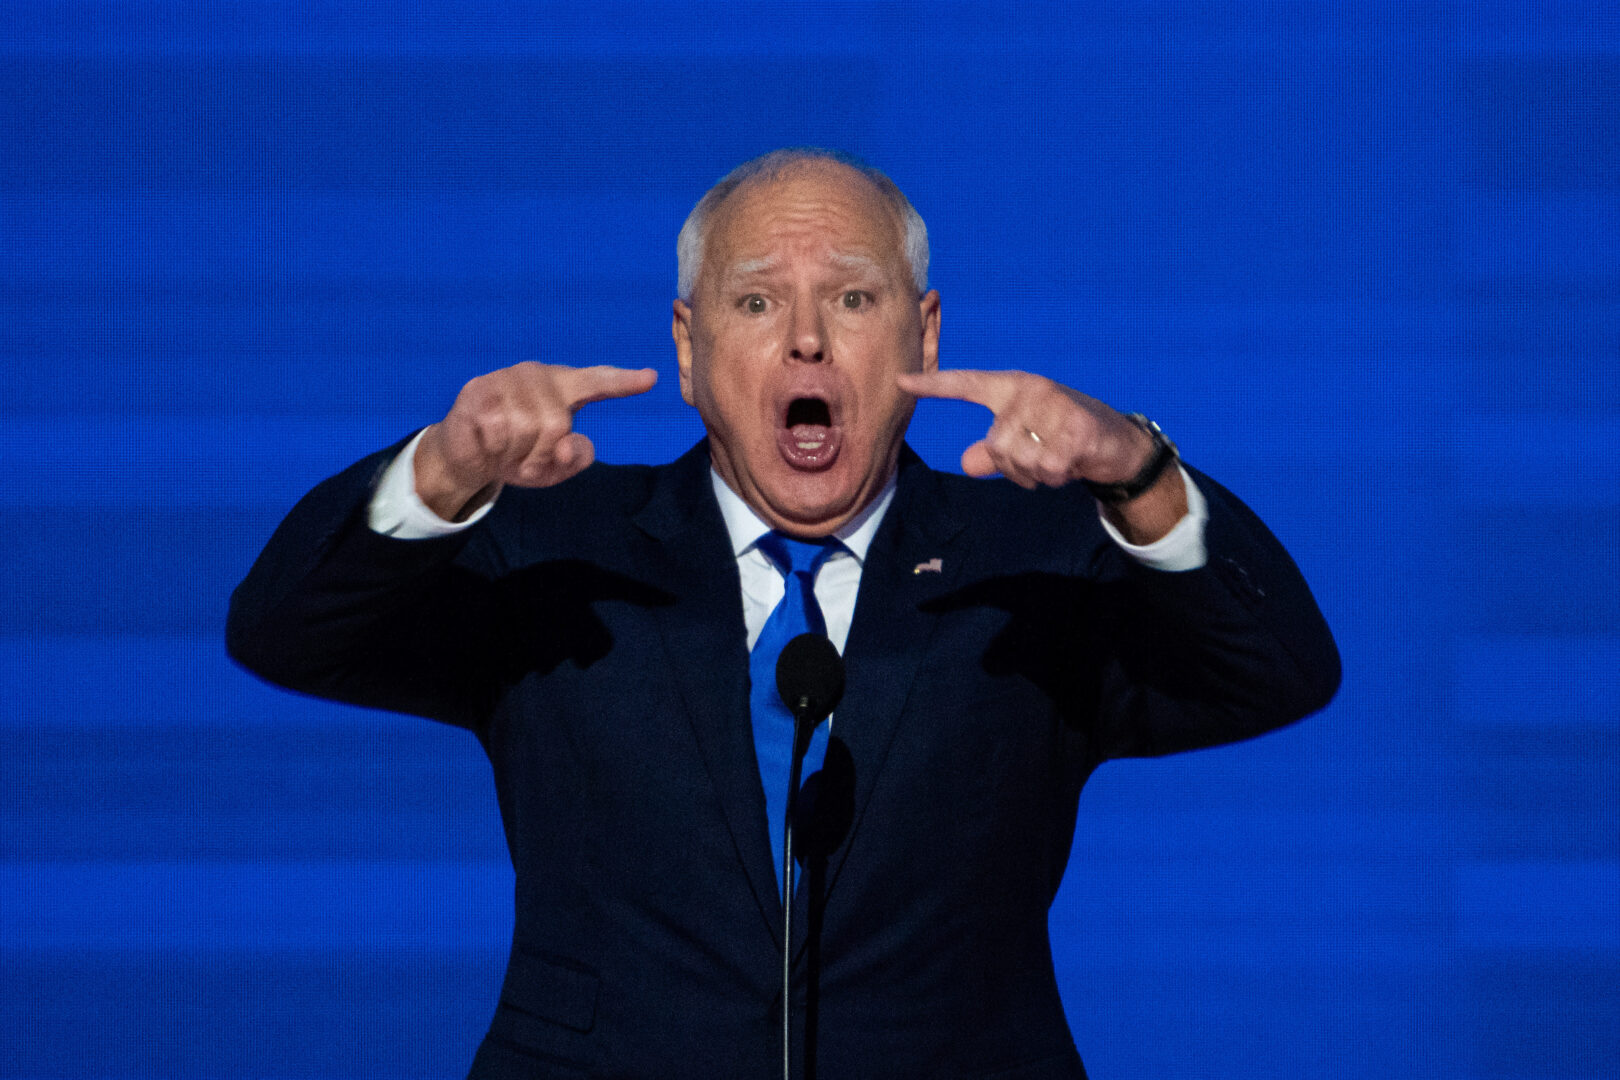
809 436
808 446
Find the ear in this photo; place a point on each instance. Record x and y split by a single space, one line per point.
929 308
681 329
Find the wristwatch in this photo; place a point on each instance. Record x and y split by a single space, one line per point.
1164 452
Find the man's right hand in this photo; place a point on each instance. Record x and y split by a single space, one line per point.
514 426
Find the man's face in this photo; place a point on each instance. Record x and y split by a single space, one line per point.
803 313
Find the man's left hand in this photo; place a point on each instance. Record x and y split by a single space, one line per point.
1047 434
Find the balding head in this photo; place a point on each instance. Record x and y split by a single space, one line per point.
692 242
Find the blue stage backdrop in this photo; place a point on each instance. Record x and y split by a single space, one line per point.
1361 259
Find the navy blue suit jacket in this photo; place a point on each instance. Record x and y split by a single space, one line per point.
592 637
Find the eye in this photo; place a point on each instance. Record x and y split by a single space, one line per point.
854 298
754 304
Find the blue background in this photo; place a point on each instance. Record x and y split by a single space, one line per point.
1361 259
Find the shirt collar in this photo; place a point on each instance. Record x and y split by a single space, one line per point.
746 527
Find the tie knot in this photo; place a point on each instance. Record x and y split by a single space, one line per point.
797 556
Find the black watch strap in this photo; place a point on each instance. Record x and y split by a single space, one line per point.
1164 452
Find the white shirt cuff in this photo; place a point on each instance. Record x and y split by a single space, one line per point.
1182 548
396 510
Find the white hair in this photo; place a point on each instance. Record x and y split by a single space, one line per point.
689 245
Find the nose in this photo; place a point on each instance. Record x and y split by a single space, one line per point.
807 337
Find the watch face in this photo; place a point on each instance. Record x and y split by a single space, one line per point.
1157 432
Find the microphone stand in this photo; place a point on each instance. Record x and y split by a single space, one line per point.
800 709
810 680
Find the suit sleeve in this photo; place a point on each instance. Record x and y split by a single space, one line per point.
333 609
1218 654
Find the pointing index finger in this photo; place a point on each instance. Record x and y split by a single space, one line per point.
988 388
583 386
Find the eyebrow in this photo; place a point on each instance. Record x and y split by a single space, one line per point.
751 266
846 260
851 261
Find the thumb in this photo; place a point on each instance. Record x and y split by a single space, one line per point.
976 460
574 453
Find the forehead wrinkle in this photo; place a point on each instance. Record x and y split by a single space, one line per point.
802 214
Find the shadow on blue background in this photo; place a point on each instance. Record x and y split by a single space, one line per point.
1362 260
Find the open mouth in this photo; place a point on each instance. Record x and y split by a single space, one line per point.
808 437
808 412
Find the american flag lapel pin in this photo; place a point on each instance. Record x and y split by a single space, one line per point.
936 565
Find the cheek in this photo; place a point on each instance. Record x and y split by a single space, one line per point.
880 392
734 380
730 392
745 335
883 412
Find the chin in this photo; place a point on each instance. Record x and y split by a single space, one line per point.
816 503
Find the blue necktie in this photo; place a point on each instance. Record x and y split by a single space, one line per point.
798 613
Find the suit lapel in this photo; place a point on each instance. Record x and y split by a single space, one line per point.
706 640
889 637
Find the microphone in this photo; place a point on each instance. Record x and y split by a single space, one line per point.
810 678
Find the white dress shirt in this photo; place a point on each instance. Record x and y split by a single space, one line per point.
837 581
397 511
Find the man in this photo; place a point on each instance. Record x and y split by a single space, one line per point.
593 627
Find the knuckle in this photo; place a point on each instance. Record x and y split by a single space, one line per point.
1022 384
532 379
494 427
475 397
551 425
